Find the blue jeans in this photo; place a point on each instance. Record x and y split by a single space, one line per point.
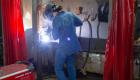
60 59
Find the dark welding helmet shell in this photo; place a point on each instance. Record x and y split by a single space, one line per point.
49 10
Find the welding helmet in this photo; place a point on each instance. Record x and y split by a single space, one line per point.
50 8
49 11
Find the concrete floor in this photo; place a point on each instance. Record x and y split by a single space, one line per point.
89 77
95 78
78 79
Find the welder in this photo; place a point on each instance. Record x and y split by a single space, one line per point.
64 24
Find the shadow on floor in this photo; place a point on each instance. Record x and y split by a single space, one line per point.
90 76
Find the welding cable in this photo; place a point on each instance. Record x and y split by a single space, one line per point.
98 36
89 46
98 28
89 42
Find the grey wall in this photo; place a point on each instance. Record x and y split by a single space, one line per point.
90 7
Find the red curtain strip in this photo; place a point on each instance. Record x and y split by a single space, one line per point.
119 47
13 32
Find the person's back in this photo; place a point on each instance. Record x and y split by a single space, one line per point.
66 23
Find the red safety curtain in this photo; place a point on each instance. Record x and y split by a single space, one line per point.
13 32
119 48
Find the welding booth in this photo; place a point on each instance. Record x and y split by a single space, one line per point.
92 36
106 42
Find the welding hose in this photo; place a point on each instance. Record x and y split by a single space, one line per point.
90 40
89 43
89 46
98 27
